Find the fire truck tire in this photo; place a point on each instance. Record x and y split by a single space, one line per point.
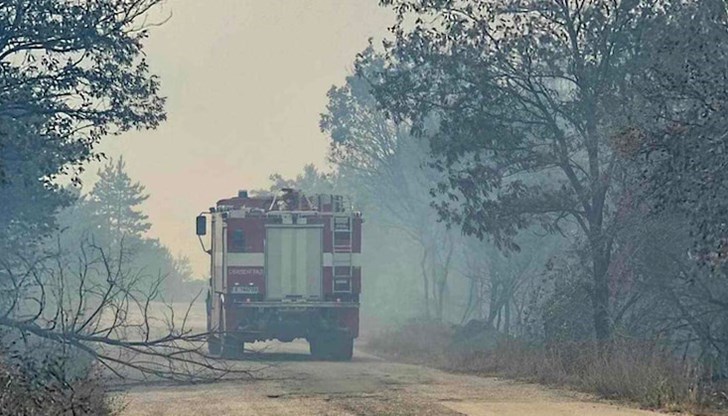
214 346
314 346
332 347
343 349
232 346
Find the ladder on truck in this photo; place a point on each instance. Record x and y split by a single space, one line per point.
342 255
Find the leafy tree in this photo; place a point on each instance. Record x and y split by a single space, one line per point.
71 72
116 199
388 169
531 99
685 148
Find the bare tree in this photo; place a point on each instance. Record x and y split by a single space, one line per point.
500 282
90 302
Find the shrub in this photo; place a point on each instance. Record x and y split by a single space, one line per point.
418 340
45 391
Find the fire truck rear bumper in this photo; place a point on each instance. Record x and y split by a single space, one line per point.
297 305
259 321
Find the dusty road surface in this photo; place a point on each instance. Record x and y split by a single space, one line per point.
296 385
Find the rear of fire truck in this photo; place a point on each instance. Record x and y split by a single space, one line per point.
283 266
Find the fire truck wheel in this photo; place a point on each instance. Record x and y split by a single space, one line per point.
213 345
343 348
314 346
232 346
332 347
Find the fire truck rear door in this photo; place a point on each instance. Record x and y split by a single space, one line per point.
293 261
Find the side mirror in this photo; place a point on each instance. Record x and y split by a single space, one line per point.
201 225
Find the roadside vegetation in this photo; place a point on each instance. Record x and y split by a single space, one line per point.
46 390
552 172
83 289
644 373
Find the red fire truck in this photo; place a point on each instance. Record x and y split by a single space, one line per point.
283 266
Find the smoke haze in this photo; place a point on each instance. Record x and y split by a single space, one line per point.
244 98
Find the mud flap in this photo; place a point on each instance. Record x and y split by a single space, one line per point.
214 346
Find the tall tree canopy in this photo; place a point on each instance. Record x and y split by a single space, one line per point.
531 100
71 72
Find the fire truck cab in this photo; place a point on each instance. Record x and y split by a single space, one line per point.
283 266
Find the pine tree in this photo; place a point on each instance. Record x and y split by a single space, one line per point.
116 201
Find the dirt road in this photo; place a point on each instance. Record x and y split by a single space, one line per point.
295 385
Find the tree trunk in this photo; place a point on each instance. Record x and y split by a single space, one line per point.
469 305
507 317
494 303
440 293
600 292
425 281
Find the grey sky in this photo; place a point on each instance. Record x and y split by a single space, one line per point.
245 81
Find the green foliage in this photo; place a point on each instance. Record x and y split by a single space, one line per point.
685 148
111 217
386 169
76 71
518 95
70 74
115 201
29 201
418 265
531 101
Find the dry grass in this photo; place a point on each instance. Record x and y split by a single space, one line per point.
49 393
638 372
37 381
417 341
